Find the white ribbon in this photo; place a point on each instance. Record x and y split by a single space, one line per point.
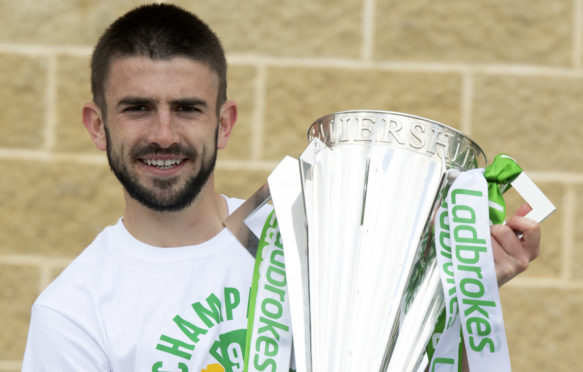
464 252
269 335
446 353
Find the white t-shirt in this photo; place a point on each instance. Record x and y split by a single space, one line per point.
123 305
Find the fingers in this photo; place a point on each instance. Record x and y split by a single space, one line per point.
510 258
531 235
512 255
523 210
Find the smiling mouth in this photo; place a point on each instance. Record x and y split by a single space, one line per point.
163 164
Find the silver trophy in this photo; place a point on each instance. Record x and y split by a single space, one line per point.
365 291
356 215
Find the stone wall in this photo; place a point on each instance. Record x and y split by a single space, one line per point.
508 73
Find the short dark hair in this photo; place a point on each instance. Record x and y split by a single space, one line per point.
157 31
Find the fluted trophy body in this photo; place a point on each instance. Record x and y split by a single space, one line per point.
372 181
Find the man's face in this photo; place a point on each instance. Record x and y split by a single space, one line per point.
161 128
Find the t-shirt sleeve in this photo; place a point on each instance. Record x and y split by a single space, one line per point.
56 343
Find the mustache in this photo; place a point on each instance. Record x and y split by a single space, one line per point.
155 149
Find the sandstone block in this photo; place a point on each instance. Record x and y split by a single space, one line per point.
19 290
23 100
241 89
577 268
474 31
534 119
62 22
73 90
55 209
300 28
543 328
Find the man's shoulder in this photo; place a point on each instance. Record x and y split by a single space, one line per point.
74 283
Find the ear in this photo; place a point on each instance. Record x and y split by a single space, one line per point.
92 119
226 123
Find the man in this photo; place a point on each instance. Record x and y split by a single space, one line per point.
166 288
167 285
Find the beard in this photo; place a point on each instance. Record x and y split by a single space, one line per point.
164 196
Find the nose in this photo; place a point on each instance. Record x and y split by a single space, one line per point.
162 131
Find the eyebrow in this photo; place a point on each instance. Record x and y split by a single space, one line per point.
129 101
190 102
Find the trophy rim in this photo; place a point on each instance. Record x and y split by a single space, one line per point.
398 113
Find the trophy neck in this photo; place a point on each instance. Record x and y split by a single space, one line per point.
399 130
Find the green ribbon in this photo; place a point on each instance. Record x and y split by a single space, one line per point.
499 175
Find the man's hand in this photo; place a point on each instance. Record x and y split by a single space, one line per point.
512 254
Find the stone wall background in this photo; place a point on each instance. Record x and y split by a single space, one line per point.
508 73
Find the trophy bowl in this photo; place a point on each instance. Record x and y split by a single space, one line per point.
372 182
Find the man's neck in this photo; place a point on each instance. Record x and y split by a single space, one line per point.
195 224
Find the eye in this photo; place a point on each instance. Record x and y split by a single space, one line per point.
188 108
136 108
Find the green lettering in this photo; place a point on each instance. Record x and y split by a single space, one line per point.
232 300
456 192
272 326
459 216
175 347
275 306
271 348
272 235
278 291
483 343
214 310
443 220
479 326
470 238
445 250
477 305
267 363
276 276
472 287
444 238
473 251
156 367
190 330
437 361
473 269
273 259
448 270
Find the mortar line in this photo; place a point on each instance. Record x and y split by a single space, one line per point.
253 59
37 49
577 33
48 156
257 124
247 164
367 29
10 365
569 207
552 283
467 97
443 67
33 260
51 101
563 177
44 277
